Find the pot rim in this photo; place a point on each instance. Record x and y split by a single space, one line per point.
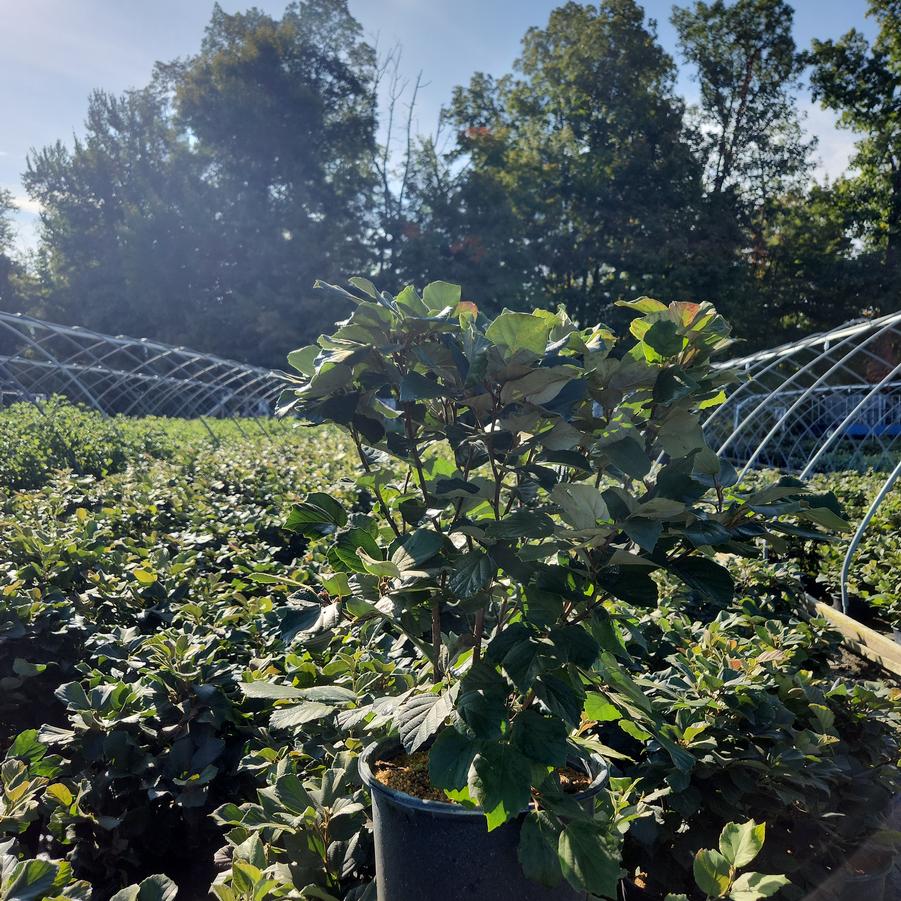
449 808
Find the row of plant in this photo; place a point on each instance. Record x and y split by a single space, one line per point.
39 439
196 650
874 577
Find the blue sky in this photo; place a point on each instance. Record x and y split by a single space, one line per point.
54 52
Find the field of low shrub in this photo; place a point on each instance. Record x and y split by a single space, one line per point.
875 574
185 686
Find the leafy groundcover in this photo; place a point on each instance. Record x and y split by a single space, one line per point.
186 685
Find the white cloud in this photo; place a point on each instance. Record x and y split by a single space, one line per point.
835 146
26 204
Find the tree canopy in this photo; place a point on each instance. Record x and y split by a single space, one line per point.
200 209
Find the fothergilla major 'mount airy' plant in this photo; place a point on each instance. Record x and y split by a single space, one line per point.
525 475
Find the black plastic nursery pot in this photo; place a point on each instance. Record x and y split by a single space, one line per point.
436 850
869 886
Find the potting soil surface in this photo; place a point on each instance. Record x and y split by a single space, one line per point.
409 773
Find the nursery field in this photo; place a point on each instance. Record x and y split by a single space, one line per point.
186 681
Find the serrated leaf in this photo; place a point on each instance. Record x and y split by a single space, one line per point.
740 843
420 717
500 782
450 759
472 574
586 859
712 872
540 738
299 714
537 850
581 504
754 886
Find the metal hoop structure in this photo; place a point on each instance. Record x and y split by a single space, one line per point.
829 402
126 375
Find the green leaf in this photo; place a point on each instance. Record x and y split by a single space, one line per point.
629 456
472 574
825 517
440 295
537 849
754 886
317 510
299 714
664 338
642 305
291 794
417 548
521 524
680 433
482 702
27 747
29 880
712 873
384 569
343 553
586 859
245 876
153 888
409 300
581 504
303 359
540 738
414 386
520 331
337 585
450 759
419 717
560 697
598 709
539 386
270 690
644 532
500 782
707 577
741 843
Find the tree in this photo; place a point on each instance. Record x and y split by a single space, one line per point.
284 110
862 83
127 222
199 209
581 151
7 233
817 275
747 69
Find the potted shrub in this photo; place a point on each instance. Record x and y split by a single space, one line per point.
525 473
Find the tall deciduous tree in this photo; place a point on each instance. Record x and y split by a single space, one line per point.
7 208
200 209
747 68
284 110
127 222
863 84
582 151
